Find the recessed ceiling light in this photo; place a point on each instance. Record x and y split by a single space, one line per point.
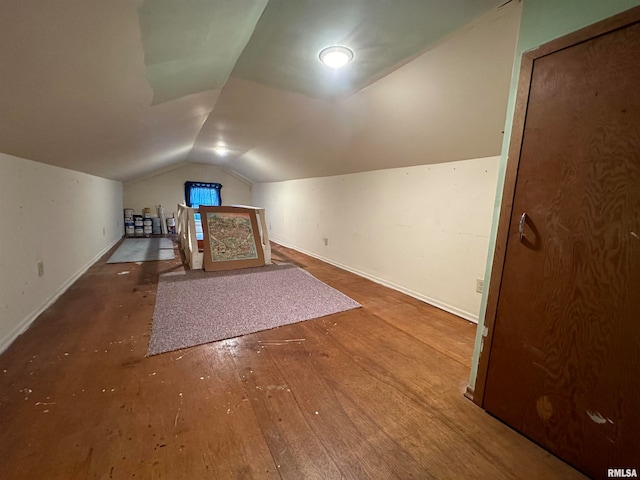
336 56
221 150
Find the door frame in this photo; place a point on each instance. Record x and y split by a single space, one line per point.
616 22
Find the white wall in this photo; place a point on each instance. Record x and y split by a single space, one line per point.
423 230
61 217
167 188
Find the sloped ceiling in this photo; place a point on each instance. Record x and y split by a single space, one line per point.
123 88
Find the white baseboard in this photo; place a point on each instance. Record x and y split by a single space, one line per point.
27 321
424 298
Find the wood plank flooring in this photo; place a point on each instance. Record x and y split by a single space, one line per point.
372 393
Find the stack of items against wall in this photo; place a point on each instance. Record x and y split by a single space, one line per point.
163 222
171 225
139 225
147 222
146 225
157 230
129 225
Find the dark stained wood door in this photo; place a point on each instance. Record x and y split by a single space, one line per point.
564 365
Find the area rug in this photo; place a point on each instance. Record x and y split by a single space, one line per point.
143 250
199 307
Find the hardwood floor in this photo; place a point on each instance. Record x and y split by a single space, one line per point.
374 393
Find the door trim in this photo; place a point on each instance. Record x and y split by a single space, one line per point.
600 28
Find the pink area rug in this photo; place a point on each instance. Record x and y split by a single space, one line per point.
199 307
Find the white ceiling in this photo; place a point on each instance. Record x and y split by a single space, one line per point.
123 88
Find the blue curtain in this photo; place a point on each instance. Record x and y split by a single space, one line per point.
206 194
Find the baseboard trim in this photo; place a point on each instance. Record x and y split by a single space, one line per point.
468 393
431 301
27 321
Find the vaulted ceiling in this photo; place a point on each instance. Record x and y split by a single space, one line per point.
123 88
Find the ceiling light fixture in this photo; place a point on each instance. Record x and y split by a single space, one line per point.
221 150
336 56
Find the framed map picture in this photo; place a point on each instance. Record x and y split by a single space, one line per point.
231 238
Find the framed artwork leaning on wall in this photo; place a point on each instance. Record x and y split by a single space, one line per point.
231 238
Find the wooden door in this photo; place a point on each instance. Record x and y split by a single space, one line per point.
564 359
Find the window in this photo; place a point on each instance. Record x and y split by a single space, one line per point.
198 193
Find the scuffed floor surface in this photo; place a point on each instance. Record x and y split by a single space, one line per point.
374 392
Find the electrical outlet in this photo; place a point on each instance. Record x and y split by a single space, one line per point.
325 240
479 285
104 231
40 268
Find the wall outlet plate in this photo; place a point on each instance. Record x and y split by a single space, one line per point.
479 285
40 268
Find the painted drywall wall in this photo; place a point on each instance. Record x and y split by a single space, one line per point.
422 230
167 188
63 218
541 22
